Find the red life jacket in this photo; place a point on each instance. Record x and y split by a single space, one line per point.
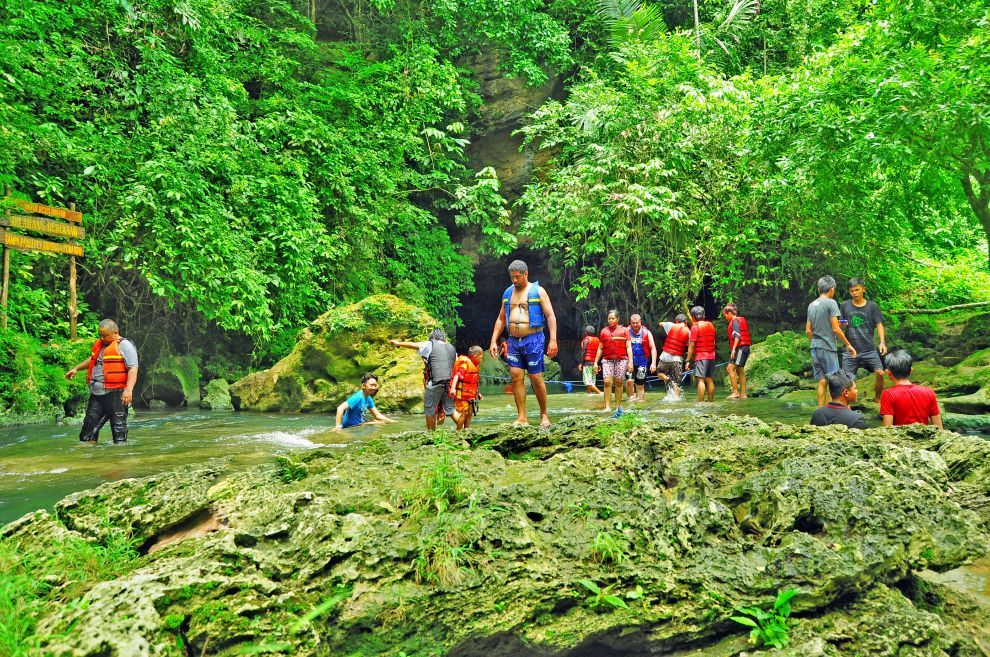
744 340
705 342
676 343
591 348
114 369
467 379
614 342
646 342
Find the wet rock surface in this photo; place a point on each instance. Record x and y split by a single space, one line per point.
332 354
474 544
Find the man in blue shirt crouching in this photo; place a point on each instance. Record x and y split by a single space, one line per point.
350 413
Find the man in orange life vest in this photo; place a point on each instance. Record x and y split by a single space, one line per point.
112 370
670 363
701 349
739 344
464 385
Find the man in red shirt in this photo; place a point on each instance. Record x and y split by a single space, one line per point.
905 402
701 348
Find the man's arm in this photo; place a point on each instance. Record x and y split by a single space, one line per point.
598 357
551 322
499 327
378 415
888 420
837 329
406 345
629 356
653 352
127 396
808 331
75 370
937 421
736 338
341 409
883 339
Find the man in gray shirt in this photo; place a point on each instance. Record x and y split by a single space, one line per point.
822 327
111 374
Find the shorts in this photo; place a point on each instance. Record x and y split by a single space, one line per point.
615 369
869 360
434 396
823 362
588 373
463 405
742 355
704 369
527 353
638 375
673 369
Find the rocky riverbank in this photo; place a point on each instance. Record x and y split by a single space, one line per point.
421 544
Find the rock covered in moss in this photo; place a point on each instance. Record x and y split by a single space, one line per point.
33 388
217 397
172 379
426 545
965 388
778 365
333 353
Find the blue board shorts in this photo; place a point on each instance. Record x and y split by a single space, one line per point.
824 362
527 353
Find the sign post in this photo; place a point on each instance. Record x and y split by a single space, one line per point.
44 226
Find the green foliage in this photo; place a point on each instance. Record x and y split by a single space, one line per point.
602 597
32 375
606 548
441 487
339 595
769 628
288 470
57 571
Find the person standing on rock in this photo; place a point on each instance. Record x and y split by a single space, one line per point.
464 385
438 359
351 412
524 311
614 359
862 317
842 389
739 344
112 371
822 327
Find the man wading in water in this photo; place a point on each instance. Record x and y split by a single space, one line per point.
525 309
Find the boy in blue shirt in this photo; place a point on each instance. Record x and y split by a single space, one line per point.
350 413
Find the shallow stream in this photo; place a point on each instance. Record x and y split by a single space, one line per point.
40 464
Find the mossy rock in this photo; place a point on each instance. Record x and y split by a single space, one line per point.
174 380
685 524
773 359
335 351
965 388
217 396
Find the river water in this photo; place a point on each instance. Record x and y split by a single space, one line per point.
40 464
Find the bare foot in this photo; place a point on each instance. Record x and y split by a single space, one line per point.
521 423
608 409
743 397
733 396
544 422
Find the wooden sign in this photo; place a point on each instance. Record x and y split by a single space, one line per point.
25 243
43 226
48 211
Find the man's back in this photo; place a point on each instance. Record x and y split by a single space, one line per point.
833 413
909 404
820 314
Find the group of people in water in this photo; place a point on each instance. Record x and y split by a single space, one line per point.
627 355
624 355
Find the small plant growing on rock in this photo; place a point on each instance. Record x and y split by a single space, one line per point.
607 548
769 628
442 487
288 470
446 549
602 596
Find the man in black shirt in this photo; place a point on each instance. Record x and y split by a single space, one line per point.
842 388
861 317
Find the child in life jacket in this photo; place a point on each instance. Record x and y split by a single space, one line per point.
589 348
464 385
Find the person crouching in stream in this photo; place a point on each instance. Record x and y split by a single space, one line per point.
438 366
111 375
464 386
351 412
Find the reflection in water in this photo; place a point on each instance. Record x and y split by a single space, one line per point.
41 464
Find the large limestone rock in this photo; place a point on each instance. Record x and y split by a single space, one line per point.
965 388
172 379
217 397
334 352
420 544
779 365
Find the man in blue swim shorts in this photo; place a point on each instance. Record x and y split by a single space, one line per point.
525 310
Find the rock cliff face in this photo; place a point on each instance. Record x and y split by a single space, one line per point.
334 352
421 544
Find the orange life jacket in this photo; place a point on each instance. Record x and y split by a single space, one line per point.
467 379
676 343
744 339
591 348
705 342
114 369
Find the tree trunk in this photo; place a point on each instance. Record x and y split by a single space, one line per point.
979 197
936 311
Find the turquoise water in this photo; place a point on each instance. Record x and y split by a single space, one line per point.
40 464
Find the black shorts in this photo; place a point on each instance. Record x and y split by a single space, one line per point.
869 360
704 369
742 355
638 375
